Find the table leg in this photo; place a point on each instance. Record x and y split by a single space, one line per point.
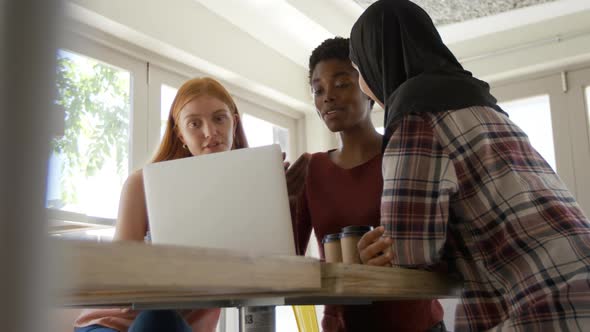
257 318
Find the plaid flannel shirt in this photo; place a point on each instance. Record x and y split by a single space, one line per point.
466 188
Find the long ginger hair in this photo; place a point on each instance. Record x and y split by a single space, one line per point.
171 146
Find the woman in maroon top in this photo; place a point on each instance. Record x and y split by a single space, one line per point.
343 187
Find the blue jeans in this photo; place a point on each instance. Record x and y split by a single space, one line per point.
148 321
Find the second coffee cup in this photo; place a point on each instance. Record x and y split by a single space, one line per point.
349 239
332 248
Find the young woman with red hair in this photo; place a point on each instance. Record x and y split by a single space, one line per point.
203 119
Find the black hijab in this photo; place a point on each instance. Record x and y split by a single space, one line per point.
405 63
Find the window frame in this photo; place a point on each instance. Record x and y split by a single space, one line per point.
76 44
579 111
138 90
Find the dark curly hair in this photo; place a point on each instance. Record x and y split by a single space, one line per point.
333 48
330 49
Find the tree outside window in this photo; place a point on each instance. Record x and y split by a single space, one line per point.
89 163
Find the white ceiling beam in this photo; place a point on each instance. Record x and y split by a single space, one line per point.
185 31
337 16
275 23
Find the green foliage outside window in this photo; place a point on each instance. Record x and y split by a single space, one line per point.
95 97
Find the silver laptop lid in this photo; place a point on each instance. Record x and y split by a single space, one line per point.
233 200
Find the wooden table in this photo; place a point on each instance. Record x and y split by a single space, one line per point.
153 276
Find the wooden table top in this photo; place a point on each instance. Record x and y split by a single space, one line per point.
135 274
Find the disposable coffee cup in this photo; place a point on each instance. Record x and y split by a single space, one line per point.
349 239
332 248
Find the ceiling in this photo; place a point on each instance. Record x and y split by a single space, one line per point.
263 46
454 11
294 27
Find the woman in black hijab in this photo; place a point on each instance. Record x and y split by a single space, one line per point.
463 185
407 67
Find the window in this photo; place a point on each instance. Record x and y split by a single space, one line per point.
533 116
89 162
167 94
260 132
100 139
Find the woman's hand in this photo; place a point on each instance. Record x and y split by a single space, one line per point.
374 249
296 175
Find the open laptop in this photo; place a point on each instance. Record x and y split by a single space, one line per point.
233 200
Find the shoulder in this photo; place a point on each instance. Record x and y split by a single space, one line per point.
417 122
474 116
414 132
136 178
320 159
134 182
321 155
468 123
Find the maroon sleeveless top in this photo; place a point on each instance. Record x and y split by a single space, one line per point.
332 199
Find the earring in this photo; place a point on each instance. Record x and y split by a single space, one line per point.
184 147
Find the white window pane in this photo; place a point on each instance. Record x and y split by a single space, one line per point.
533 116
89 163
167 94
260 133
